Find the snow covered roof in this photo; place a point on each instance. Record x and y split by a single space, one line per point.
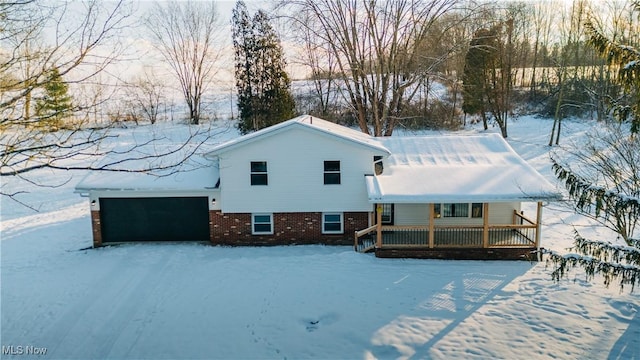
417 169
180 180
455 168
305 122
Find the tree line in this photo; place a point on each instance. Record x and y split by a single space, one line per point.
377 65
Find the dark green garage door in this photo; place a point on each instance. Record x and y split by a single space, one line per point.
154 219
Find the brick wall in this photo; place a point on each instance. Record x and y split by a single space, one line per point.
288 229
97 229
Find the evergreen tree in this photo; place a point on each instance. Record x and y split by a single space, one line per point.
56 104
608 192
243 45
479 59
264 95
627 59
603 179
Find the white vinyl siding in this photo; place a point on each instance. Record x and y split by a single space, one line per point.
502 213
411 214
295 161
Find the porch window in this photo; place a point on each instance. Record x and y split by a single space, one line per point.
259 173
476 210
331 172
387 214
458 210
332 223
262 224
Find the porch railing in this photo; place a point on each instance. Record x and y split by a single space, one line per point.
519 218
498 236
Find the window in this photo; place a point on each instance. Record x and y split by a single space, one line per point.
262 224
378 167
331 172
464 210
332 223
476 210
259 173
387 214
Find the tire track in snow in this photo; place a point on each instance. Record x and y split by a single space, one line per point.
124 312
99 315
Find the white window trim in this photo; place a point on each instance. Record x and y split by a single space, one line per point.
253 217
341 223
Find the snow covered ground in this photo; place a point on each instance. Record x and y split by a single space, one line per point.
167 301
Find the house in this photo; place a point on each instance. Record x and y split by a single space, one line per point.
309 181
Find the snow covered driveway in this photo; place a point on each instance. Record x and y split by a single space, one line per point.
197 301
166 301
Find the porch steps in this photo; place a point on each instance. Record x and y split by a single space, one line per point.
366 245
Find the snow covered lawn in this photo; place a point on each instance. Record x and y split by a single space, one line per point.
166 301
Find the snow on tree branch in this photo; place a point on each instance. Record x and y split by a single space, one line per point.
587 195
612 262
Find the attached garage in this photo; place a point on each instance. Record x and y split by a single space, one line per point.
154 219
140 207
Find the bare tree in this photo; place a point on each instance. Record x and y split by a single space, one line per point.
82 42
376 48
25 69
144 97
572 33
185 35
317 56
542 17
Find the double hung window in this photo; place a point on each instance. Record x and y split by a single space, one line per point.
331 172
262 224
259 173
332 223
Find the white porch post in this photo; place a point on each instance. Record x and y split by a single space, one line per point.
538 229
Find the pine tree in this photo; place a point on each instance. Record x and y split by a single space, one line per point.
627 59
264 95
479 59
602 178
56 104
614 201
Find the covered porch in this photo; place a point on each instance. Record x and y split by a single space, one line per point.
515 239
455 197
